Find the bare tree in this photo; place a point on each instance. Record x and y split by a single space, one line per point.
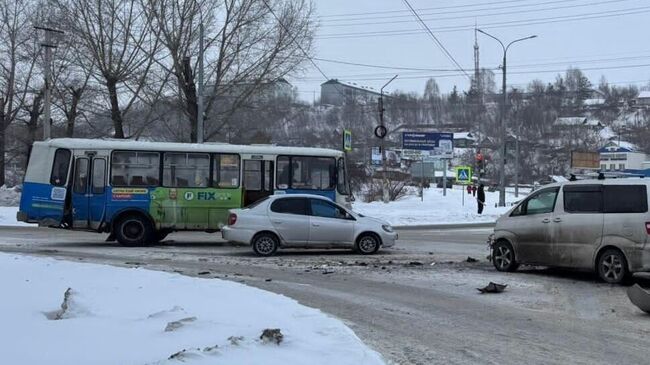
17 62
118 48
249 44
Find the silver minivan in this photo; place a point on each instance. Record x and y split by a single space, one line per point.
600 225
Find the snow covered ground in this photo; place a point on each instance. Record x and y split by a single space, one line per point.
135 316
438 209
9 201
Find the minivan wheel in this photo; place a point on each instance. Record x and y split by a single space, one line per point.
612 266
503 257
134 230
265 244
367 244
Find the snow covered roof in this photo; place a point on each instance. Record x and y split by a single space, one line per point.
607 133
619 146
577 121
594 102
353 85
124 144
645 94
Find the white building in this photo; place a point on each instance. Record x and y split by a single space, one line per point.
621 156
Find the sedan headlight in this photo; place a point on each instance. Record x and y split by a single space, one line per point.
387 228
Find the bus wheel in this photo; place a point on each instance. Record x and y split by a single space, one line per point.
133 230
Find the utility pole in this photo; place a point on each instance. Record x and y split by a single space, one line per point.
502 124
47 107
199 106
384 162
517 160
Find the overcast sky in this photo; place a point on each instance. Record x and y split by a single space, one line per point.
602 37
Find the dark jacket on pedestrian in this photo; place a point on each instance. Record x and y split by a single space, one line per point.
480 198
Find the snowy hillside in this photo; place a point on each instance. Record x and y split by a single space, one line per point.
134 316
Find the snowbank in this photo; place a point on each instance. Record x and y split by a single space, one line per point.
436 208
8 217
120 316
9 197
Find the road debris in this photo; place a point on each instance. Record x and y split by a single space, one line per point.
204 272
492 288
471 259
272 335
173 326
639 297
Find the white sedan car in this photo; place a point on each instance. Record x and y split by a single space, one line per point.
306 221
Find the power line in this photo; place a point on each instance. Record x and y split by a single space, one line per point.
440 45
514 72
493 25
421 9
382 66
481 15
435 69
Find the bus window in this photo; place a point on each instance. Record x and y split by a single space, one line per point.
81 176
60 167
253 175
191 170
342 181
226 171
99 175
135 168
283 172
313 173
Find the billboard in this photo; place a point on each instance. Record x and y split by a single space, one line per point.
439 144
585 160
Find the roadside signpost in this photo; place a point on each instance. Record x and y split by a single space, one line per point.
347 140
431 145
464 177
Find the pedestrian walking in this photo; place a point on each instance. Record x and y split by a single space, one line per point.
473 190
480 198
469 189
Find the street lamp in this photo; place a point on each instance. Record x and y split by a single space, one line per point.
384 177
502 164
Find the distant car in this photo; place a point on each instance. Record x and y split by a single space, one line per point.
450 184
599 225
305 221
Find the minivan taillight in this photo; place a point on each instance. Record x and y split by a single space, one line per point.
232 219
647 227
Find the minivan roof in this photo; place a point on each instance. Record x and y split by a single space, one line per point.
623 181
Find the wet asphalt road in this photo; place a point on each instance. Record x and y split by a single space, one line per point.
403 302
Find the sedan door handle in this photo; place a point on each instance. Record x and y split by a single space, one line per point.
277 222
546 220
315 224
557 220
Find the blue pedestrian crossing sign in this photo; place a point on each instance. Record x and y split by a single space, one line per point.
464 174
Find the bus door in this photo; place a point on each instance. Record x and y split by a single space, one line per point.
89 192
258 178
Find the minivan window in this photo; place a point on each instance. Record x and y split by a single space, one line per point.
625 199
540 203
290 206
583 199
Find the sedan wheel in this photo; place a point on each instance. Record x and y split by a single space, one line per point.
612 267
367 244
503 257
265 244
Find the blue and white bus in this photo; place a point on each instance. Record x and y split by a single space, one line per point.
141 191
